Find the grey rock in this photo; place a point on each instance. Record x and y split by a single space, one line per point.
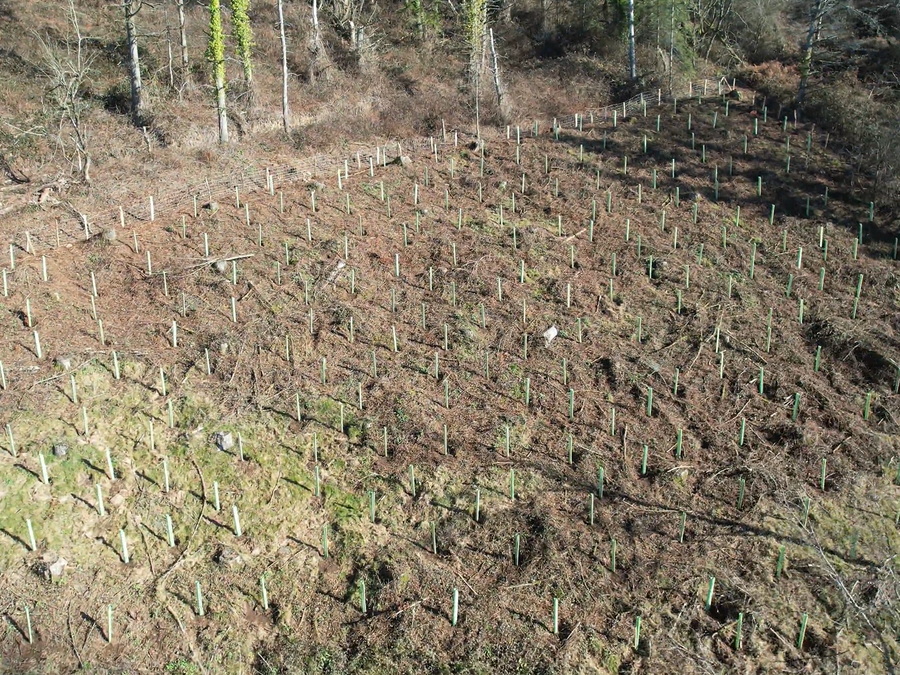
212 206
550 335
221 265
60 449
223 440
227 556
56 569
109 234
337 270
63 362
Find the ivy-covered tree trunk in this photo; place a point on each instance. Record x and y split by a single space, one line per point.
215 54
475 30
475 17
243 36
131 9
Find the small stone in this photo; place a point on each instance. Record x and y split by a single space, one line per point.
404 161
63 362
109 234
212 206
337 270
223 347
550 335
223 440
227 556
60 449
221 265
57 568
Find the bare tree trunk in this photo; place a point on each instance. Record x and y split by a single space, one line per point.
318 58
285 111
183 34
545 17
134 63
818 12
314 43
221 108
502 103
365 51
171 68
632 58
477 105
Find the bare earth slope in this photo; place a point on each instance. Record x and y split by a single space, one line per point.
720 402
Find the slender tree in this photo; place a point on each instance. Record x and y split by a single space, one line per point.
502 102
182 30
66 69
817 13
131 8
475 17
632 59
243 36
285 110
318 57
215 54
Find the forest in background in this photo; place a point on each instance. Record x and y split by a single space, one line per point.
299 75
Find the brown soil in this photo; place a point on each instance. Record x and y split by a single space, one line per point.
838 566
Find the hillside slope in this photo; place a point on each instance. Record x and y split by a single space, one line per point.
401 430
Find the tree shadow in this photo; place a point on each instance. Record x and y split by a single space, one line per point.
297 484
84 501
15 538
743 529
95 624
16 626
158 536
24 468
218 524
304 544
142 474
108 544
93 467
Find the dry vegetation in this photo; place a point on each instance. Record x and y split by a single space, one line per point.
266 388
719 401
